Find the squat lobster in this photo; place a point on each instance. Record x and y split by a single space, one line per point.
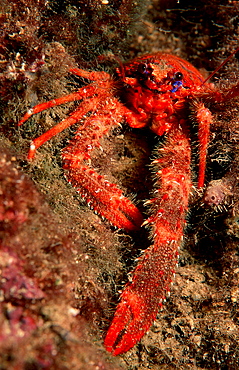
158 90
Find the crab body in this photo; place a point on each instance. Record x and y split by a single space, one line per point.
157 91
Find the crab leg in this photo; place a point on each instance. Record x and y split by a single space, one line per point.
141 299
82 93
101 195
74 117
204 118
92 76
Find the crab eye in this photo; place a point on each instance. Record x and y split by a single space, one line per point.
178 76
144 70
177 81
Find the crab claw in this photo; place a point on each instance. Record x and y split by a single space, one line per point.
126 328
132 319
143 296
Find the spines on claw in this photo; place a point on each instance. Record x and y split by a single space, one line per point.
105 198
141 299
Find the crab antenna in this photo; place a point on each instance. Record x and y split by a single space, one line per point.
221 65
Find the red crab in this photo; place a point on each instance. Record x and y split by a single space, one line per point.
160 91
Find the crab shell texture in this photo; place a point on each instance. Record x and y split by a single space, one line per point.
156 91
